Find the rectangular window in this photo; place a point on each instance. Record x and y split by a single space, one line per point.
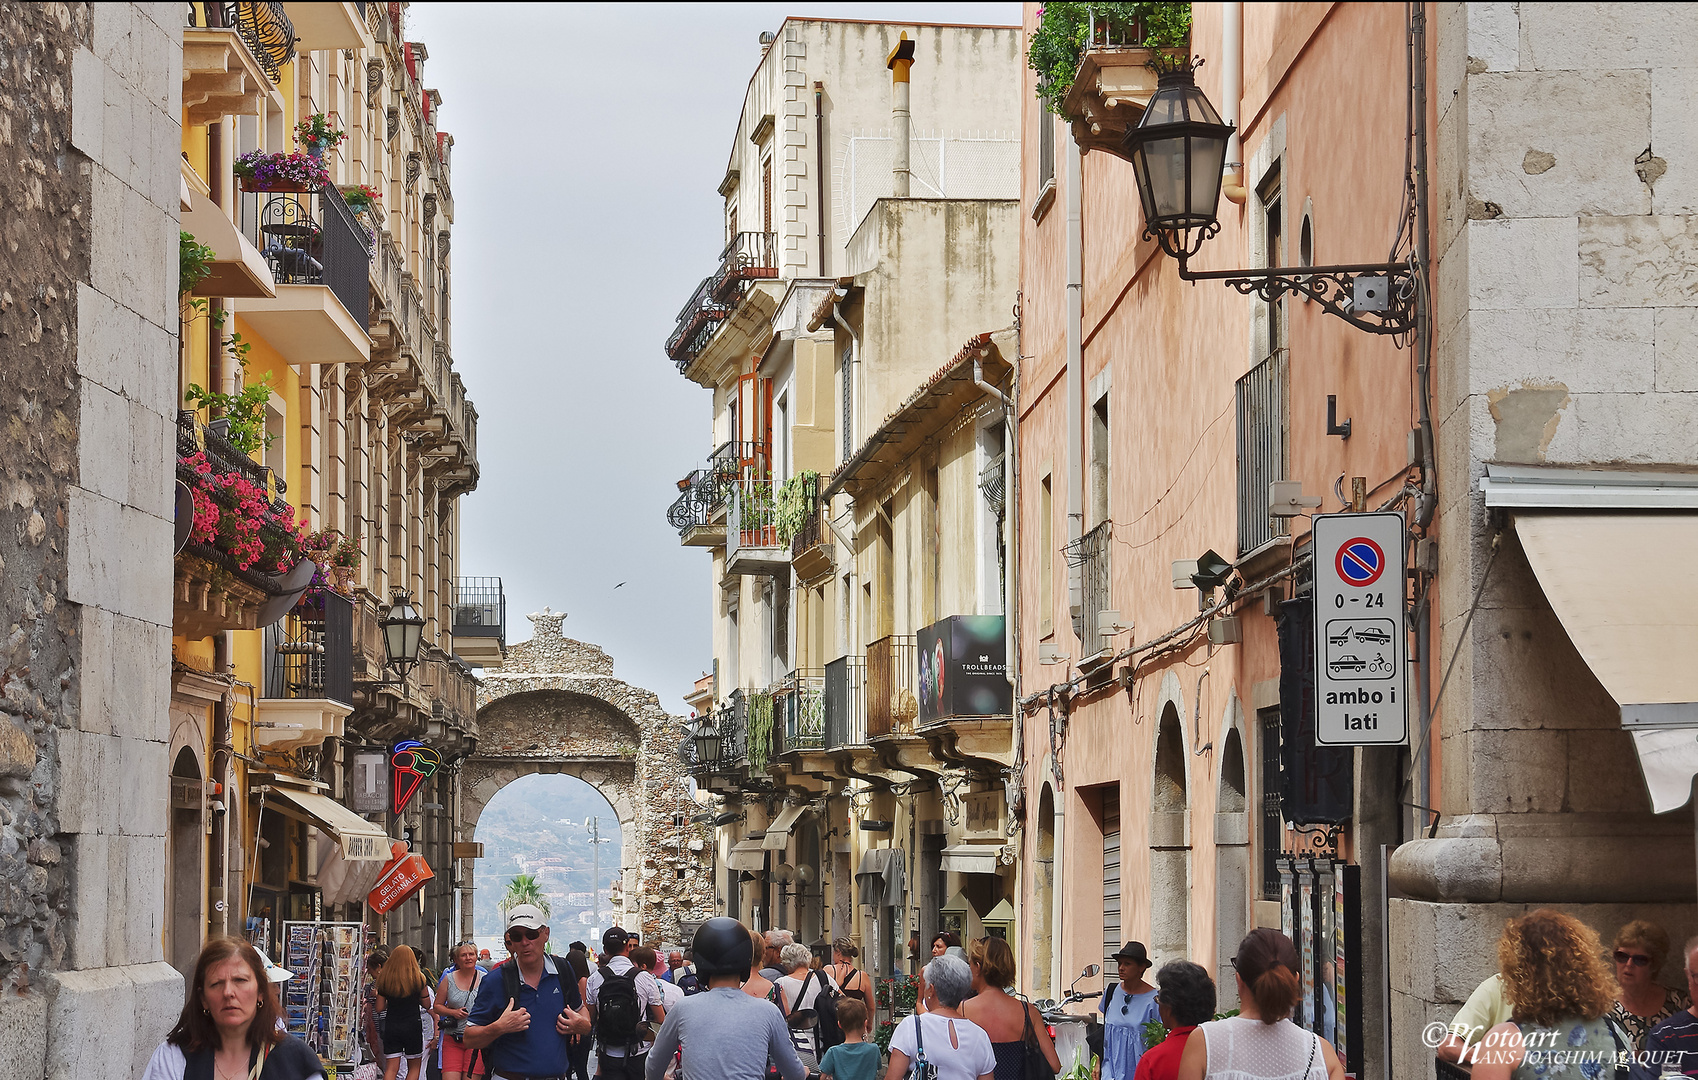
1273 248
766 195
847 370
1272 825
1046 149
1099 461
1046 559
733 645
1110 818
1264 422
730 220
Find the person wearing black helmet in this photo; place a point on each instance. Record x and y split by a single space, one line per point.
725 1033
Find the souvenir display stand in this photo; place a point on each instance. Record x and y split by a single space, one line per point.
322 1003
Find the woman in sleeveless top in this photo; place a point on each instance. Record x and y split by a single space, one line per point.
1012 1024
403 993
1261 1042
455 994
1562 989
846 975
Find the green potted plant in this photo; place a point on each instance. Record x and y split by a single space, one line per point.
1066 30
316 134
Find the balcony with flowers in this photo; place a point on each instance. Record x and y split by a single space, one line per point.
318 253
237 536
1093 63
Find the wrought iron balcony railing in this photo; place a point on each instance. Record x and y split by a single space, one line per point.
845 702
311 238
480 608
263 27
800 711
311 650
1264 423
814 530
1091 554
892 670
697 321
748 257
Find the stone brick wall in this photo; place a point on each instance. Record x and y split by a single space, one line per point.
89 100
555 706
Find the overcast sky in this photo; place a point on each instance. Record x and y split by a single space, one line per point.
589 140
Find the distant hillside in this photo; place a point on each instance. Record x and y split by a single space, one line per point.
536 825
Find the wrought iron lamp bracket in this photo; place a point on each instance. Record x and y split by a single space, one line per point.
1317 838
1332 287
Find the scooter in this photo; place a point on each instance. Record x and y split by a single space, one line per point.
1077 1037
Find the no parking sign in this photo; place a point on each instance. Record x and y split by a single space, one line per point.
1360 644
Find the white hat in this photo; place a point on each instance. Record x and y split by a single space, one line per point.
272 971
528 916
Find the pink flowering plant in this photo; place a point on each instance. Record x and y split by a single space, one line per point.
235 516
263 170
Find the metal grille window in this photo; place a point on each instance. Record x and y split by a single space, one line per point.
1273 826
845 702
1111 875
1090 553
1264 423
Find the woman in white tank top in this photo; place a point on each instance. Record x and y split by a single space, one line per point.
1261 1042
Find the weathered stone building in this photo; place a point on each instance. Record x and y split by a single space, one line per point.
88 344
554 706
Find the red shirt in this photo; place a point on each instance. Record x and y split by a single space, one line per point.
1161 1061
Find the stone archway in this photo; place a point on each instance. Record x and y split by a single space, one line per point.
555 707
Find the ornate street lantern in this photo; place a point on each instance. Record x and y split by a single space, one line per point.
1178 152
707 742
403 632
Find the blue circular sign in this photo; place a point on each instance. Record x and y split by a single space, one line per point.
1360 561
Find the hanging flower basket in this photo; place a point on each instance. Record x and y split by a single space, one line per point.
297 172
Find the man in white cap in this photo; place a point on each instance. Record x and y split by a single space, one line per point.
528 1017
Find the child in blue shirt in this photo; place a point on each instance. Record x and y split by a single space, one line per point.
854 1058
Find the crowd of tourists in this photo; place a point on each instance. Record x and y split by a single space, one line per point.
740 1005
1561 1006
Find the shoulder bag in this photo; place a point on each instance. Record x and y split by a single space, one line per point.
920 1068
1034 1065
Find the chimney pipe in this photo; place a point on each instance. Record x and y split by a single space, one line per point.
899 61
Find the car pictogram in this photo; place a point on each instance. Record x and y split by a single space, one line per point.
1347 663
1373 634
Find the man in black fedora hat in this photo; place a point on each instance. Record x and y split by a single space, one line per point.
1127 1006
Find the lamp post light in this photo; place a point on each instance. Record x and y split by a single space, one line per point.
707 743
1178 153
403 632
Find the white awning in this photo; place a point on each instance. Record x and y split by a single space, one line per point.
778 833
970 859
1625 586
747 855
361 840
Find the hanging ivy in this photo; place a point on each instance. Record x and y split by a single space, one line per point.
794 504
760 729
1065 28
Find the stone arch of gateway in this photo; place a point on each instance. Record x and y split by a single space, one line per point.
555 706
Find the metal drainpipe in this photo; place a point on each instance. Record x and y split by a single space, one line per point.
819 168
900 60
1075 354
222 749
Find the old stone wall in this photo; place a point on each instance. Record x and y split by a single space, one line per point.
554 706
89 101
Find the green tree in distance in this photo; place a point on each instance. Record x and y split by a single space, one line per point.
524 889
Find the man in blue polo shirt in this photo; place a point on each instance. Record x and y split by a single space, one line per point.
527 1035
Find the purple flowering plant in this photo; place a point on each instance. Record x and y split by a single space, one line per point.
266 170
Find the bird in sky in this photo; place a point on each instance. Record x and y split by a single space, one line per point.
621 585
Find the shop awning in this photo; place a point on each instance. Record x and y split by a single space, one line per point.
970 859
360 840
747 855
1625 587
778 833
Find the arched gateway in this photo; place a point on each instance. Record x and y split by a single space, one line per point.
555 707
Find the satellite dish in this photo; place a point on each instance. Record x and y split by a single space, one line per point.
185 516
805 874
784 872
292 584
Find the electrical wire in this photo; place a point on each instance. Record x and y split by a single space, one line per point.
1450 668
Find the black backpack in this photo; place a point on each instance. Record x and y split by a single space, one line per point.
829 1031
619 1013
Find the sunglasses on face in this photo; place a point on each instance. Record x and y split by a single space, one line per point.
528 935
1636 959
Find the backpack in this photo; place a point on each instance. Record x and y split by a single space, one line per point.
619 1013
689 983
509 970
829 1031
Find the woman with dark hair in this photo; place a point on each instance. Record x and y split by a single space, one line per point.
1554 972
403 994
228 1027
1186 998
1261 1041
1015 1027
943 941
846 975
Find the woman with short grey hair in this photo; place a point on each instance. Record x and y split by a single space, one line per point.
795 995
941 1036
